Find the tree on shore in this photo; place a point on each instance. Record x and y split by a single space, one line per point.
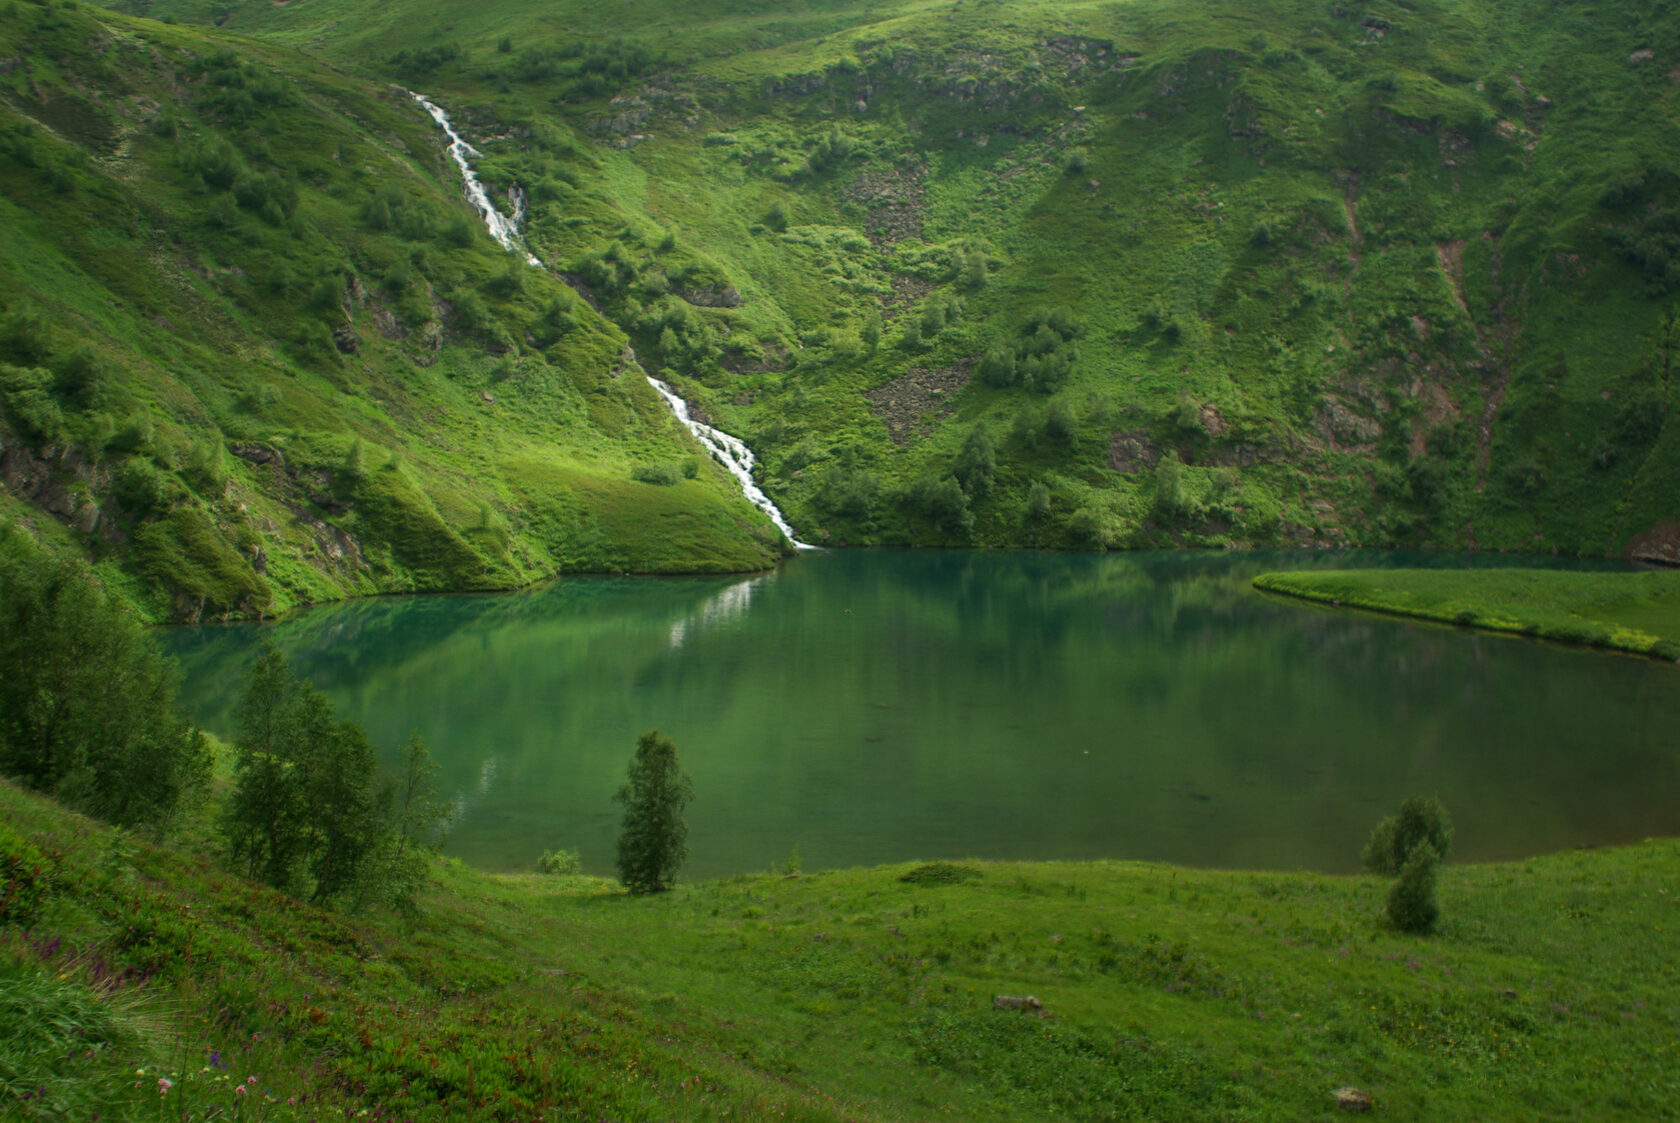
1409 847
310 814
87 703
653 840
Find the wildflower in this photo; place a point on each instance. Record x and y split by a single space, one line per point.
164 1084
251 1080
215 1058
239 1089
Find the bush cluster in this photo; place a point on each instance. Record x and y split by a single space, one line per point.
1410 847
1040 359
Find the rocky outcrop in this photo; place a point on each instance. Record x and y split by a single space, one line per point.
58 479
727 297
1659 546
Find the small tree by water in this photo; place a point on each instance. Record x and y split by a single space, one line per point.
1412 906
1421 819
653 841
1409 847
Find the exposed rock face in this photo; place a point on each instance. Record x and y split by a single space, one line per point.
1660 544
59 480
906 403
1132 452
727 297
1342 428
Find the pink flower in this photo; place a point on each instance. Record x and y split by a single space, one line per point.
164 1084
239 1089
250 1080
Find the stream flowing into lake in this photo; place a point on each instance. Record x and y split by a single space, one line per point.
877 706
728 450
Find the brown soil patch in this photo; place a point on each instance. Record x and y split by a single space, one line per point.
909 403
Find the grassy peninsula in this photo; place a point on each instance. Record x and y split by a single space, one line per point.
1548 992
1633 612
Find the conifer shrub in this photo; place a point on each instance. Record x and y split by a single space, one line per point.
653 839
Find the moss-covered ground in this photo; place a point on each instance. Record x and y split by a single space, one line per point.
1633 612
1547 993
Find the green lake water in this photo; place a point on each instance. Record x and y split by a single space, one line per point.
873 707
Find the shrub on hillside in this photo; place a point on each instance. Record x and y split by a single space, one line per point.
661 475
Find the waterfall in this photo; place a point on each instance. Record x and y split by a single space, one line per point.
730 451
501 228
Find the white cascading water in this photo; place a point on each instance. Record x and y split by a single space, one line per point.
501 229
730 451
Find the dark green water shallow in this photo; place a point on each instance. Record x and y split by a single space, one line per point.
882 706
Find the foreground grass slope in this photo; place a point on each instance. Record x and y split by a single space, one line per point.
1173 993
1327 275
257 351
1635 612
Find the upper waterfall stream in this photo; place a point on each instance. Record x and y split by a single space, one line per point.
729 450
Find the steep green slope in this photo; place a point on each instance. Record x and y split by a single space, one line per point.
257 351
1390 274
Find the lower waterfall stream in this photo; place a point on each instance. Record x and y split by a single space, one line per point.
729 450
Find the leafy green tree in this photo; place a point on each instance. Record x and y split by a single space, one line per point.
264 820
997 367
418 822
871 334
1038 503
1421 820
87 704
653 838
976 465
1412 906
944 501
305 815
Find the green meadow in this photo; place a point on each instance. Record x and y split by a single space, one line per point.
1167 993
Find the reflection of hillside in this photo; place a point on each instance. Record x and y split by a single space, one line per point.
885 705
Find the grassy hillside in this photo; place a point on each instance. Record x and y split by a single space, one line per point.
1226 275
1036 273
257 351
1639 613
1170 993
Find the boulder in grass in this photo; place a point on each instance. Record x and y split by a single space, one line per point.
1023 1003
1352 1099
